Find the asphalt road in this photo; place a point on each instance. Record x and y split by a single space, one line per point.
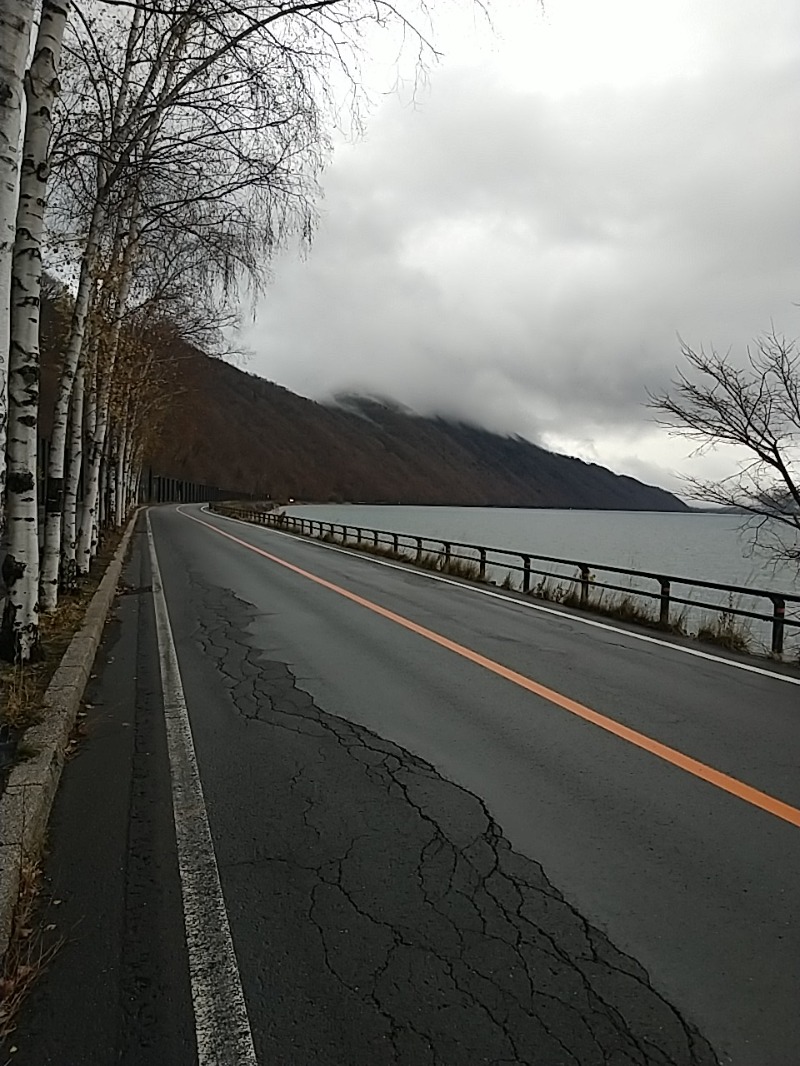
429 851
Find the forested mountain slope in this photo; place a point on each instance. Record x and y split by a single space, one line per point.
228 427
234 428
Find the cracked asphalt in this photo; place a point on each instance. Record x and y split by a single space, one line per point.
436 942
419 864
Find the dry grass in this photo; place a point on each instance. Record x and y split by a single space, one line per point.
455 566
625 607
463 568
383 550
554 592
728 631
30 951
22 687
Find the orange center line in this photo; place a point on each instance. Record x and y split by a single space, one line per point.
698 769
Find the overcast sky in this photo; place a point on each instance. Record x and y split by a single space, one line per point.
523 245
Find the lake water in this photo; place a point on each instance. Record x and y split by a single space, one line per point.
705 546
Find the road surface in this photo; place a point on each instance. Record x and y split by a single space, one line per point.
418 823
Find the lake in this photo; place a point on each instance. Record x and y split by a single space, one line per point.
702 545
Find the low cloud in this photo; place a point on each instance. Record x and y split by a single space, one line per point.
529 262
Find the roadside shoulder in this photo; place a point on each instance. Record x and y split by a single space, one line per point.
28 796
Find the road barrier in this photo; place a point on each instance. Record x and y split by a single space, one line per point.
477 561
154 487
157 488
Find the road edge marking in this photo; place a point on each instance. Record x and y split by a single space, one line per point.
540 608
222 1025
672 756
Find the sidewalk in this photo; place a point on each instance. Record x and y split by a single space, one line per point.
117 990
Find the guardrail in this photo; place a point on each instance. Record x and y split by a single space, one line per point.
158 488
481 558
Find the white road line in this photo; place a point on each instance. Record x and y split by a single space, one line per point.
220 1012
540 608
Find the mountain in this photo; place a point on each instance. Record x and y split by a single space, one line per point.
234 428
226 427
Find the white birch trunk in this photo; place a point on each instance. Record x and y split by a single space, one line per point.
69 571
128 502
54 503
16 20
91 473
101 439
111 467
95 510
51 553
20 628
134 471
101 506
85 389
105 495
105 180
120 476
96 435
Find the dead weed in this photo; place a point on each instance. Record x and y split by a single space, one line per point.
30 951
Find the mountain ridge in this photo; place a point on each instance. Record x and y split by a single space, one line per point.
231 428
369 451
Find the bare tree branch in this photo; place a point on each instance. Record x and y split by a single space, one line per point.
755 407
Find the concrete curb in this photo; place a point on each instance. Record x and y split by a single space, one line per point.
25 804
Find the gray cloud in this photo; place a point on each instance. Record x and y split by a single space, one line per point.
527 261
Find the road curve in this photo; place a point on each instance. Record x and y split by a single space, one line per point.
404 820
696 884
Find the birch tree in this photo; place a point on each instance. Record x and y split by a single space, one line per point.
106 164
231 238
69 567
16 20
19 636
235 97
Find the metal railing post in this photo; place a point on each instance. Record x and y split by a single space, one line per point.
584 584
526 573
419 548
663 614
778 624
482 563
